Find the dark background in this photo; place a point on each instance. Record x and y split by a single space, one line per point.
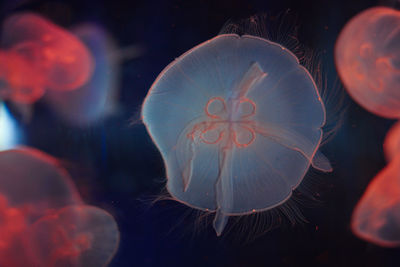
116 166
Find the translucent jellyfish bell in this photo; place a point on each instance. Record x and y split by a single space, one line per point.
35 182
96 99
238 122
367 56
59 61
78 236
376 217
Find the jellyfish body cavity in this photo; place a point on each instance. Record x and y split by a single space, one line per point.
367 55
238 123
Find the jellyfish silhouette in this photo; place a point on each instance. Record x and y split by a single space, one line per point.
37 55
367 55
238 122
43 221
376 217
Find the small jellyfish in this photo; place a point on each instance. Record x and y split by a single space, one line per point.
40 55
238 122
96 99
35 181
75 236
367 55
376 217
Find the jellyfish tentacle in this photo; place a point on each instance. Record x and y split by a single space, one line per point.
253 76
293 141
224 189
321 162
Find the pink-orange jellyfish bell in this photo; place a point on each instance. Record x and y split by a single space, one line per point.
376 217
63 60
78 236
367 55
35 182
238 122
391 145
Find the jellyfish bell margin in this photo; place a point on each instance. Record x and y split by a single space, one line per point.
225 115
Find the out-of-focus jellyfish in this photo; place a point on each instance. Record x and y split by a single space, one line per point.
376 217
10 133
96 98
43 221
74 236
35 182
391 145
367 55
238 122
38 55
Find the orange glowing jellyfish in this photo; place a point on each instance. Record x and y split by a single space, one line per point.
43 221
78 236
51 58
238 122
33 181
96 99
367 55
391 145
376 217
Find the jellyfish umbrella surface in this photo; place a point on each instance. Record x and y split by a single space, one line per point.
96 99
238 122
391 145
376 217
40 55
367 55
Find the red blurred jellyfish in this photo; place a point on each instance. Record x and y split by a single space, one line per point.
238 123
391 145
367 56
38 55
74 236
43 221
376 217
95 99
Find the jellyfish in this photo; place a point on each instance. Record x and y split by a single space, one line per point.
74 236
95 99
35 182
37 55
367 55
43 220
376 217
238 122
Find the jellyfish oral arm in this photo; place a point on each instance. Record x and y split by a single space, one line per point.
253 75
